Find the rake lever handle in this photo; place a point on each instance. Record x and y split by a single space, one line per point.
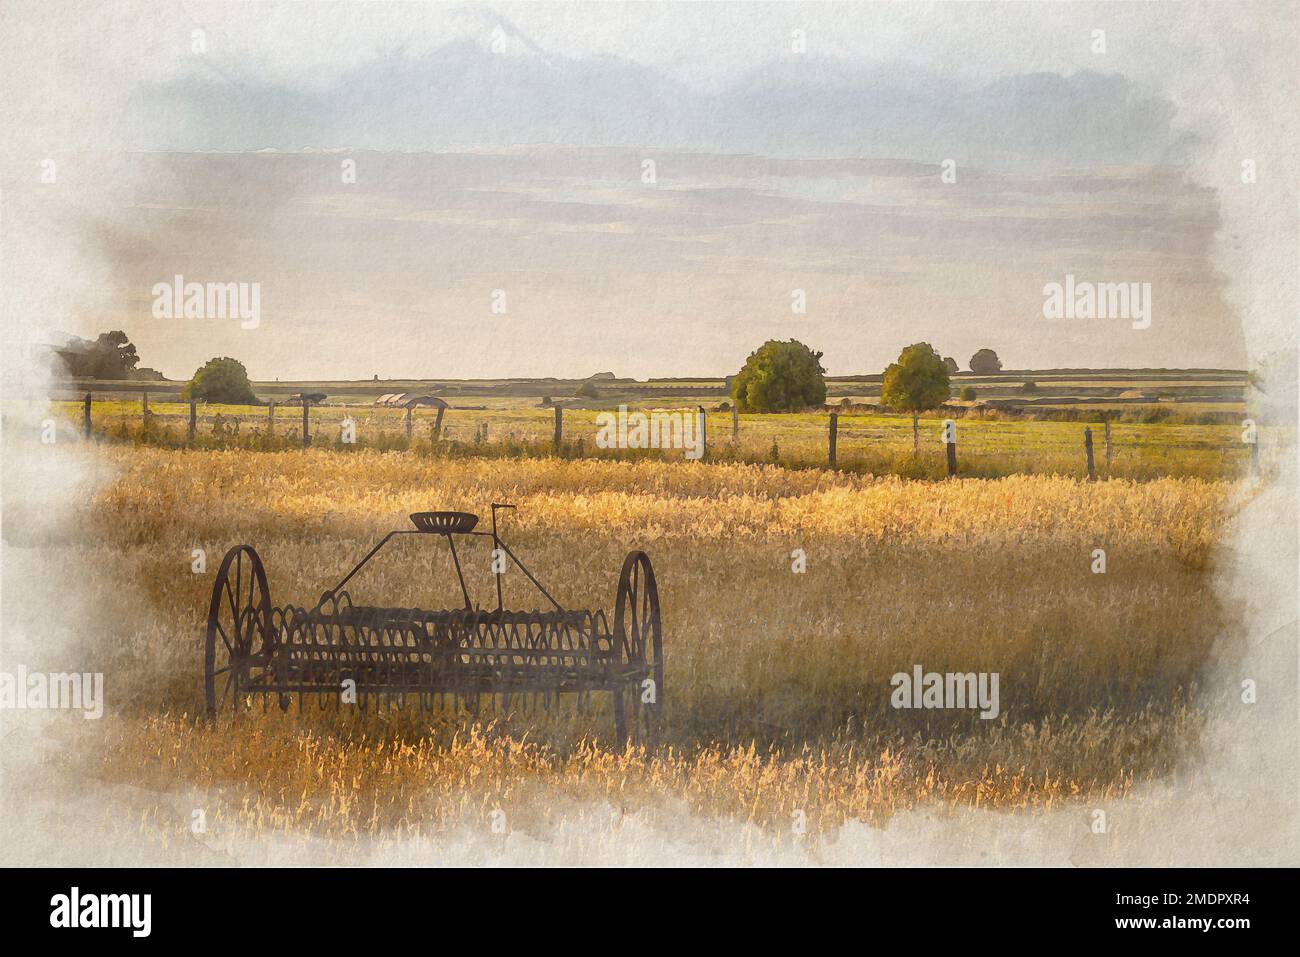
496 543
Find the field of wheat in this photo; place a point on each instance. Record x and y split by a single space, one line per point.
777 694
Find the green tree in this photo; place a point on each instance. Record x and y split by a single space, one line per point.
916 383
110 356
587 391
985 362
223 380
780 377
950 364
968 393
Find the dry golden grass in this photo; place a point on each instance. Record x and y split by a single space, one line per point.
777 684
274 774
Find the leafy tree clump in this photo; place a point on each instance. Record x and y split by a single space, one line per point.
780 377
587 391
985 362
968 393
916 383
950 364
223 380
110 356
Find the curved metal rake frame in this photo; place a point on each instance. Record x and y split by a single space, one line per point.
388 654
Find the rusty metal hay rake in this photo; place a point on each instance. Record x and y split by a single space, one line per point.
341 652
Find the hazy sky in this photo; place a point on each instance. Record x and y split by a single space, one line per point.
504 148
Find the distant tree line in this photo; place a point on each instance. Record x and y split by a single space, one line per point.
109 356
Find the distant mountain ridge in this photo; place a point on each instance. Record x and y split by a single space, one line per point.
490 84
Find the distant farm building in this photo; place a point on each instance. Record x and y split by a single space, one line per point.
410 400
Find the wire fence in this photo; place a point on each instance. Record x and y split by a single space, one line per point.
864 443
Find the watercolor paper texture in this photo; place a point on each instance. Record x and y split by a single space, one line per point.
939 360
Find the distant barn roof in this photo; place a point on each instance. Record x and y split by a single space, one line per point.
408 400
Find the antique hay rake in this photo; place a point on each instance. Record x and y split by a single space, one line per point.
350 653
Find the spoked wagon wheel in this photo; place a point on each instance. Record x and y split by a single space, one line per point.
638 653
239 614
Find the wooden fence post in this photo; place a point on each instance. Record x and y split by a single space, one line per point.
306 435
437 424
1106 424
735 421
950 443
144 404
835 420
559 427
194 417
270 418
85 425
1087 449
410 424
704 434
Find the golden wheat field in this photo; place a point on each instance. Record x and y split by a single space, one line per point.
777 694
